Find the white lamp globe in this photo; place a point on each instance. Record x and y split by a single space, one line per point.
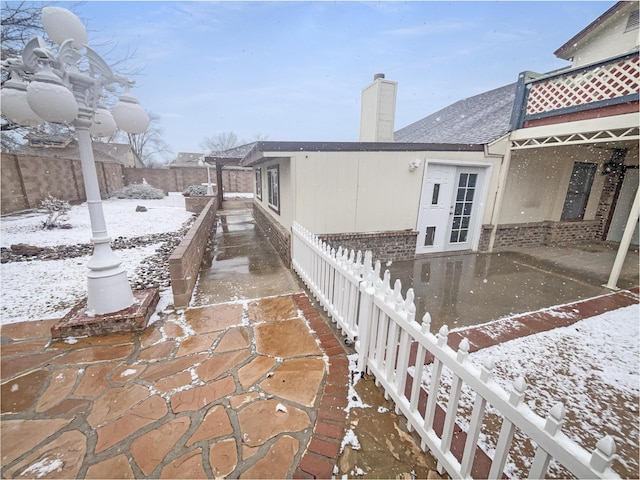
129 115
14 104
103 123
49 99
60 25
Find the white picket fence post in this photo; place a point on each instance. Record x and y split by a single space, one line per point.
382 323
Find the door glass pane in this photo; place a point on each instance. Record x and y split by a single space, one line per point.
430 236
436 194
469 197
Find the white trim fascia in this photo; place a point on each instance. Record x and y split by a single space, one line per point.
628 120
497 147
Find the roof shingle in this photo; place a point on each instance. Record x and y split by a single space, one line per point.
475 120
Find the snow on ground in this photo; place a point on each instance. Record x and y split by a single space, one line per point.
165 215
39 290
592 367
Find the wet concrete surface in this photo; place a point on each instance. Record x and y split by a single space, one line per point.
243 263
474 288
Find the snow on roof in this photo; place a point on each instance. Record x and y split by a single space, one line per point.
475 120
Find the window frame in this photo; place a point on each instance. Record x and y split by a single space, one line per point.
258 182
273 188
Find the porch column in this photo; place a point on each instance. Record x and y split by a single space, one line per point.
497 207
220 186
624 243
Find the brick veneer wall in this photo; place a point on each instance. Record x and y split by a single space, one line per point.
279 237
185 261
610 189
541 233
385 246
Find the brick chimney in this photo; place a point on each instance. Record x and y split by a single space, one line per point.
378 109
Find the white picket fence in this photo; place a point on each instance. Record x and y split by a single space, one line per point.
395 349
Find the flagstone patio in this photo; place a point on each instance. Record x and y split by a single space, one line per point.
225 390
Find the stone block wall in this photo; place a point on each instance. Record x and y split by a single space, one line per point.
238 179
385 246
26 179
185 261
167 179
279 237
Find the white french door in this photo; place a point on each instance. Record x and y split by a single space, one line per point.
448 217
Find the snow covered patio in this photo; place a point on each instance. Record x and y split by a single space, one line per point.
594 362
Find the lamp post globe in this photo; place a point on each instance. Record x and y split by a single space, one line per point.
15 107
58 88
49 99
61 25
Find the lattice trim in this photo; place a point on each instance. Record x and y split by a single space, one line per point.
632 133
602 83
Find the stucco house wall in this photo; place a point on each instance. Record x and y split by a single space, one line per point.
358 192
547 170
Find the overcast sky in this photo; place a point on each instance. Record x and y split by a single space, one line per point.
295 70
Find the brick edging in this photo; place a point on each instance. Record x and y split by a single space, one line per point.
322 451
483 336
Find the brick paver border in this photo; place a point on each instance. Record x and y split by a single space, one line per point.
322 452
487 335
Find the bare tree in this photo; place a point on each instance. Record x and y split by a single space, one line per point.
225 141
220 142
20 22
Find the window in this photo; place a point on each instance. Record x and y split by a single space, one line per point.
575 202
259 183
273 185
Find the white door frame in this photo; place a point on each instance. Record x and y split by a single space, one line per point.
480 201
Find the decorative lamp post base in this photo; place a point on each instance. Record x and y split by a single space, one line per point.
132 319
108 293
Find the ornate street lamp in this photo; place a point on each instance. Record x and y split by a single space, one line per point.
67 86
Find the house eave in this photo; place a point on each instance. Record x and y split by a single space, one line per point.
263 150
567 50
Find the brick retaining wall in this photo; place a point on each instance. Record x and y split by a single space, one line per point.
185 261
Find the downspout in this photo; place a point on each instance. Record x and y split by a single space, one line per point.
624 243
